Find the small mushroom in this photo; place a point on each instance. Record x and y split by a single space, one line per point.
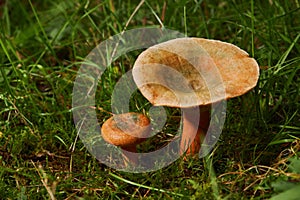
126 130
192 74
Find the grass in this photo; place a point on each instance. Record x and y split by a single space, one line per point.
42 45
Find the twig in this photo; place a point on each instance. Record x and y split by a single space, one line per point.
44 180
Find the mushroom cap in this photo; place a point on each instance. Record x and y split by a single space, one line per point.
126 129
186 72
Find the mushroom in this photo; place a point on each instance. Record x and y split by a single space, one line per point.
192 74
126 130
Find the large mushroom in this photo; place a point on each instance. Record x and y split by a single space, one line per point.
126 130
192 74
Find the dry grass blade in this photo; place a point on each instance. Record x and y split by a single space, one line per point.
43 176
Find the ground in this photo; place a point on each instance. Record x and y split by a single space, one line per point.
42 46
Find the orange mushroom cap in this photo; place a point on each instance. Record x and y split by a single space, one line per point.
126 129
186 72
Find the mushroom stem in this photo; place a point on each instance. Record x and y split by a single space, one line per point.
130 158
191 126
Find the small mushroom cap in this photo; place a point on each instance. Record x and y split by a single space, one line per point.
186 72
126 129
